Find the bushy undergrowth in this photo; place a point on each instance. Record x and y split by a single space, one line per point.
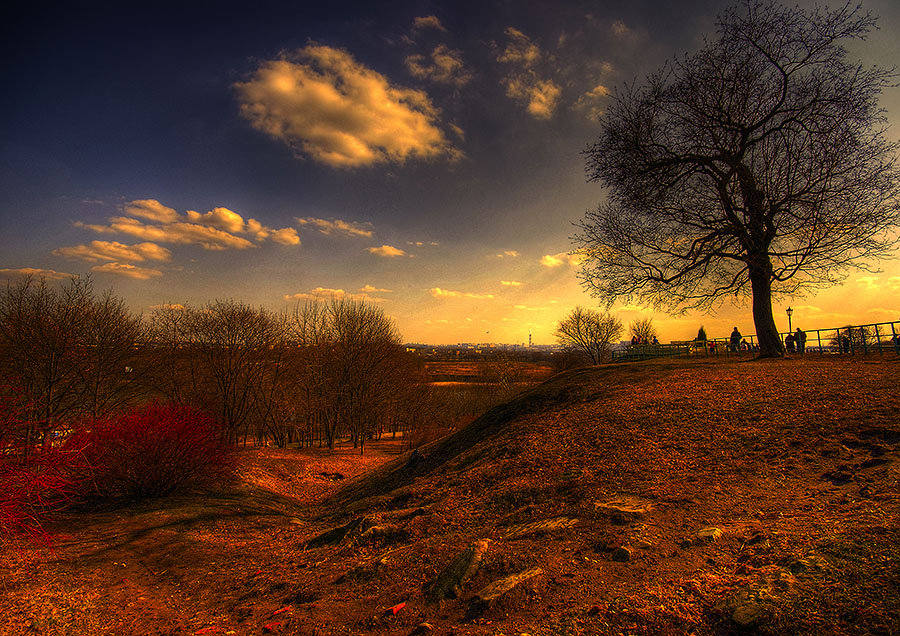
153 451
31 488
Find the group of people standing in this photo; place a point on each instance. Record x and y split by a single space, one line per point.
793 342
796 342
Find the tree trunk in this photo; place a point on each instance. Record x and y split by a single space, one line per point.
770 345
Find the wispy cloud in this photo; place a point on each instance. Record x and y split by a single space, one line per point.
508 254
437 292
371 289
510 283
128 270
562 258
593 102
318 293
540 95
444 66
336 226
327 106
388 251
21 272
115 251
428 22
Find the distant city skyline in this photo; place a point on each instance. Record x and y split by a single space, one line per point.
427 160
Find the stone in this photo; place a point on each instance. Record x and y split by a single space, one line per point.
502 586
748 614
710 534
454 577
423 628
624 509
538 527
621 554
335 535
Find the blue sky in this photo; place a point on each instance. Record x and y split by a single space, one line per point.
425 155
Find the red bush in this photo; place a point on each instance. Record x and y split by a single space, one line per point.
31 488
153 451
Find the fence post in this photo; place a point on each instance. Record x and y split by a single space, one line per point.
896 340
878 340
819 337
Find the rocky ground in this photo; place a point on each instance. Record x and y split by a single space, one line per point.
703 497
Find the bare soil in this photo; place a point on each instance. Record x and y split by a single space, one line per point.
695 497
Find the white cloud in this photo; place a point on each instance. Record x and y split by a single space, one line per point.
325 105
221 218
445 66
437 292
893 282
388 251
510 283
336 226
370 289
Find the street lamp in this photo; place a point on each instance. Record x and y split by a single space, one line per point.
789 312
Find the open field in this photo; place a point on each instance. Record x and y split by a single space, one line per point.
670 497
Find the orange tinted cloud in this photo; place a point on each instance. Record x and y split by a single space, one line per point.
327 106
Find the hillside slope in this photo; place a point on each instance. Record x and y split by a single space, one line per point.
673 497
606 479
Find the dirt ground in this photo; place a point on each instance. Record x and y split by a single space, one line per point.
672 498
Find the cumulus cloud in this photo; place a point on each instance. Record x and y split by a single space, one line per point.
388 251
444 66
894 282
508 254
523 84
115 251
869 282
336 226
217 229
540 96
327 106
510 283
437 292
128 270
370 289
35 272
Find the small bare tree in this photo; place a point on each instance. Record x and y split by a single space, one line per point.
643 330
591 332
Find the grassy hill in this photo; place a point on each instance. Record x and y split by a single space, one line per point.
667 497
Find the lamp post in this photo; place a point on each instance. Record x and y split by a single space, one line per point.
789 312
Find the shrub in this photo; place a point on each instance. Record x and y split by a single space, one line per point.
31 488
153 451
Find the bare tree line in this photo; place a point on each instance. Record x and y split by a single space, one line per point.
321 372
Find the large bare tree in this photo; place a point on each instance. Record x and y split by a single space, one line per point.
756 166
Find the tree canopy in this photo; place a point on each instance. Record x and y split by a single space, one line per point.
756 166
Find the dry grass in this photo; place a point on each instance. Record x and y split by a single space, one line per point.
795 461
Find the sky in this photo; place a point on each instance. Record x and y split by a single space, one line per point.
424 156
